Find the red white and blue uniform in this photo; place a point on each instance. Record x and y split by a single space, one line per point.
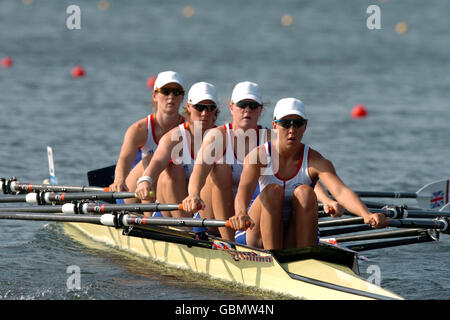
231 158
301 177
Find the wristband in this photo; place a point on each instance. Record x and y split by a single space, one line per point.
144 178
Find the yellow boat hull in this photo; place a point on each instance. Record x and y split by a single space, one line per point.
304 278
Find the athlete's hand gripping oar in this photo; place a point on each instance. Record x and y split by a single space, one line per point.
192 204
431 196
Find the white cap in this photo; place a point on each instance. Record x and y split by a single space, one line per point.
166 77
202 91
246 90
287 106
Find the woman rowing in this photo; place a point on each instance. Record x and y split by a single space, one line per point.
218 165
143 135
173 161
285 212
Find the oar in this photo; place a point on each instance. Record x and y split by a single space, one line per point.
379 235
441 224
13 186
390 243
86 208
402 237
114 220
394 212
431 196
52 197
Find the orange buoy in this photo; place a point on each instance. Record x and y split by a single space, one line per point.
359 111
6 62
151 82
77 72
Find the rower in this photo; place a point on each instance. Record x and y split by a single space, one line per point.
142 137
218 165
284 214
172 163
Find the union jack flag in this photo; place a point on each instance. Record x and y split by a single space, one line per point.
437 200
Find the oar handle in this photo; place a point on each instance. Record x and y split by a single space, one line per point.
199 207
228 224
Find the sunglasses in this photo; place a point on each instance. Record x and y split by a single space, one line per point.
287 123
200 107
167 91
251 104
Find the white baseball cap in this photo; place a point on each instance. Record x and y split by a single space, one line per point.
166 77
246 90
202 91
288 106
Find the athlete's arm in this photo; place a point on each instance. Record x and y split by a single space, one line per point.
159 162
324 170
135 137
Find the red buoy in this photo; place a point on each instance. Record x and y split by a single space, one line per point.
6 62
151 82
359 111
77 72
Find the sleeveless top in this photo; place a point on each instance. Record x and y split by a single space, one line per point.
152 143
187 158
231 158
301 177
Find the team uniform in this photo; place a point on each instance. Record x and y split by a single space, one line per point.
230 156
237 165
301 177
150 145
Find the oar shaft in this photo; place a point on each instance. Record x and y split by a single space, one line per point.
13 198
137 207
179 222
86 208
41 209
390 243
340 222
50 217
375 194
438 224
52 197
379 235
16 186
400 212
115 220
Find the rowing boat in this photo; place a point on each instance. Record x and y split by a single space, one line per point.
323 272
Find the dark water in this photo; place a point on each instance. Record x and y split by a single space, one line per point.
327 57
